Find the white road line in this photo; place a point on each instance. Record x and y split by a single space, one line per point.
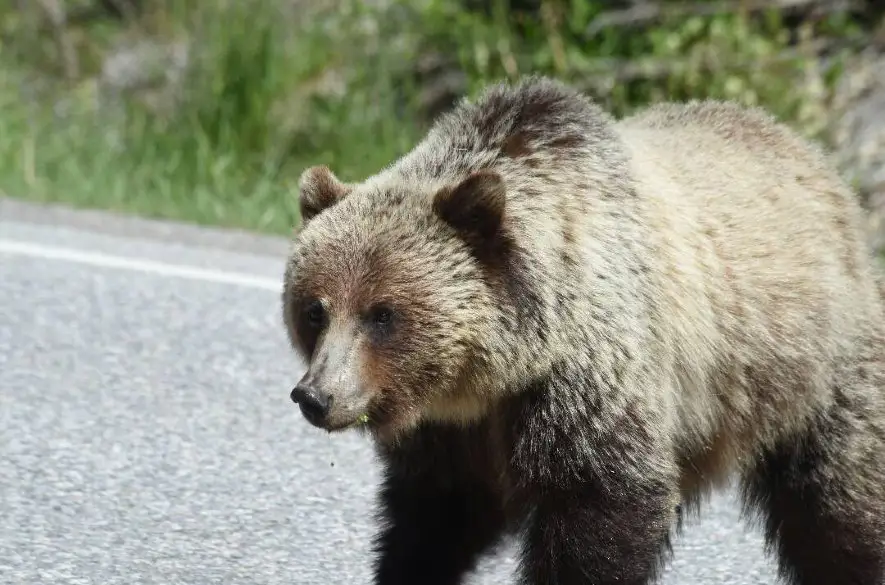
126 263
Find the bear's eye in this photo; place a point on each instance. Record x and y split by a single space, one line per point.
381 316
314 312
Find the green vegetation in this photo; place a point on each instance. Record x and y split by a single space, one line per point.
249 118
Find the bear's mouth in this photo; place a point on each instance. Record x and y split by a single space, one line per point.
371 416
360 421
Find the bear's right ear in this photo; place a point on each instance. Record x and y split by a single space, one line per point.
474 207
319 189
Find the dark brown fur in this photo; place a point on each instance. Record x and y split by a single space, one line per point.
569 328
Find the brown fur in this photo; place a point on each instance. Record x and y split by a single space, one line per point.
592 320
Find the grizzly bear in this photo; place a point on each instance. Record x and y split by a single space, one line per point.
568 328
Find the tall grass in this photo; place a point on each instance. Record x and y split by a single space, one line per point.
231 152
246 124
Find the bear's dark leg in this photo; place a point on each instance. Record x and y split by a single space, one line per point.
822 495
598 486
434 536
595 536
439 516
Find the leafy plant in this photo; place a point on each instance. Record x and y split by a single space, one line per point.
259 102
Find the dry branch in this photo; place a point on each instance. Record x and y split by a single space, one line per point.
56 17
642 14
603 73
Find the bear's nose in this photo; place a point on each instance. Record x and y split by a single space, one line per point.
315 405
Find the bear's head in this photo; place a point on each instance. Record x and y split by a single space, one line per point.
390 298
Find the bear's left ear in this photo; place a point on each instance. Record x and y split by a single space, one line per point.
474 207
319 189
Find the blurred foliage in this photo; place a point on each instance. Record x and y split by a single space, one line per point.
254 107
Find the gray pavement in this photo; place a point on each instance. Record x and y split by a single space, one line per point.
146 433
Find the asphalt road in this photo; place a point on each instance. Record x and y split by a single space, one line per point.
146 432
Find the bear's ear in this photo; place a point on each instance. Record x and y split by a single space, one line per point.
319 189
474 207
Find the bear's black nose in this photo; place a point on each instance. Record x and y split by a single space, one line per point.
314 405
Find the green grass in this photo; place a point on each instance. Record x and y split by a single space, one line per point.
180 174
232 152
230 155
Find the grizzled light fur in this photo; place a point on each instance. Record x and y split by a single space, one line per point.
598 320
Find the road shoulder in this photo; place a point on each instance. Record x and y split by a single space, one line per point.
128 226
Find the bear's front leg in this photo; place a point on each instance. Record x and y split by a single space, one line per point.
589 537
598 493
439 515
